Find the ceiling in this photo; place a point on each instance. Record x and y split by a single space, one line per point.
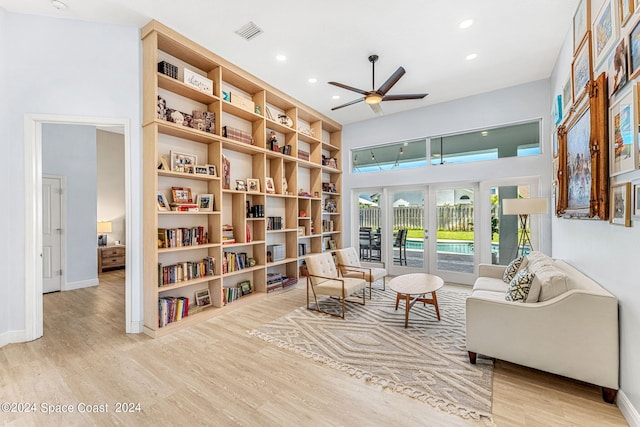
515 42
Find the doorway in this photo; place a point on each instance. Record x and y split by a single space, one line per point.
53 221
34 281
406 230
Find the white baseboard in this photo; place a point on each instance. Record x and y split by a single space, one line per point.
135 328
629 413
12 337
70 286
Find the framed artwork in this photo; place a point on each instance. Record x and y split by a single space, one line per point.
245 287
201 170
581 22
226 173
211 170
332 244
622 135
556 110
578 167
581 70
635 211
205 202
179 161
181 195
604 31
556 167
253 185
625 10
241 185
618 68
620 208
163 203
203 298
301 231
566 97
163 164
269 186
554 143
634 51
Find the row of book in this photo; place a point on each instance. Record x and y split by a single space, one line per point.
227 234
327 225
186 270
177 237
274 223
172 309
302 249
231 294
232 261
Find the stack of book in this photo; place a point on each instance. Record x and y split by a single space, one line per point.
274 281
227 234
172 309
187 270
302 249
232 261
184 207
177 237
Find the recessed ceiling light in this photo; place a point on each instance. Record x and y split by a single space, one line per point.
281 58
58 4
312 80
466 23
484 133
335 97
471 56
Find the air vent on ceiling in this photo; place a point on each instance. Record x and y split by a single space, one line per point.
249 31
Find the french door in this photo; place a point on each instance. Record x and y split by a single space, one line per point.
405 231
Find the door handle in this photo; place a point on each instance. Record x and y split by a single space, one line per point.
426 234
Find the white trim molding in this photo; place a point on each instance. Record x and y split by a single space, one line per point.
11 337
629 413
70 286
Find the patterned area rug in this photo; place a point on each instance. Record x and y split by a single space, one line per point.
427 361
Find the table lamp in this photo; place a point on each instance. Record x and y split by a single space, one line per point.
523 208
103 228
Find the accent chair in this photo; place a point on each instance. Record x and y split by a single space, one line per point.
349 265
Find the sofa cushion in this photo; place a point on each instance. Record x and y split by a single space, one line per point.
512 269
519 286
552 282
490 284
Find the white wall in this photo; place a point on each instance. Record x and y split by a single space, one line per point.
607 253
6 173
64 67
111 183
70 151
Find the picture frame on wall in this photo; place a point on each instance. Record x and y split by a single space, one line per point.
622 136
554 142
635 210
605 31
581 22
578 165
625 10
618 68
581 70
556 110
634 51
620 209
567 96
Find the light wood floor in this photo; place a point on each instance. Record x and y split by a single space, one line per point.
215 374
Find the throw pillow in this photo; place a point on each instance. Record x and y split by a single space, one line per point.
512 269
519 286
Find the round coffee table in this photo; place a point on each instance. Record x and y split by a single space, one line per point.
416 286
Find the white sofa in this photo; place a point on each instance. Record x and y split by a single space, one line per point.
570 328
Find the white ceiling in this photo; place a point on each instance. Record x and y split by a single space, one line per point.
516 41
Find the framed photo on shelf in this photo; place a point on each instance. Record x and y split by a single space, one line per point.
635 211
226 173
581 22
605 31
301 231
253 185
201 170
622 136
203 298
245 287
581 70
618 68
205 202
181 195
163 203
163 164
241 185
270 186
211 170
180 160
332 244
634 51
619 210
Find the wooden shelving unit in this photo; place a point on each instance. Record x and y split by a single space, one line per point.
298 196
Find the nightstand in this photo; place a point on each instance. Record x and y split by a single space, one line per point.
111 257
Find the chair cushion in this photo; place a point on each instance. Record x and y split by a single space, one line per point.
490 284
321 265
519 286
376 273
512 269
334 287
348 256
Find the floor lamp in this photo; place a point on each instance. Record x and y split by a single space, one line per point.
523 208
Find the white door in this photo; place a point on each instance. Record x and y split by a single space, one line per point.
51 234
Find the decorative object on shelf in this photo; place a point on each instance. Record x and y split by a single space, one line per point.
226 173
285 186
249 214
270 186
204 121
623 123
180 160
268 111
330 206
203 298
175 116
162 108
242 102
617 73
328 187
277 252
605 31
257 110
332 245
168 69
251 262
241 185
286 150
163 164
201 170
253 185
197 81
303 155
237 135
245 287
301 231
305 131
226 96
205 202
103 228
315 194
523 208
211 169
303 193
181 195
302 214
247 232
272 143
283 119
329 162
620 204
163 203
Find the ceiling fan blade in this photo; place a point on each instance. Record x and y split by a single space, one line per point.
403 97
377 109
391 81
348 103
353 89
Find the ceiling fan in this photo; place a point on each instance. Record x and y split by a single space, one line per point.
375 97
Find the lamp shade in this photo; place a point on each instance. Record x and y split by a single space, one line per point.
104 227
535 205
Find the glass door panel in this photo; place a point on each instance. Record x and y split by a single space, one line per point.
370 217
504 242
408 253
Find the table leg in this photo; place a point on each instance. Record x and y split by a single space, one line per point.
397 299
435 303
408 304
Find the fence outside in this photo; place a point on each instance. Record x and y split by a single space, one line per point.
449 217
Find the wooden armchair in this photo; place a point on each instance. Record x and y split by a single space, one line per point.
349 265
323 279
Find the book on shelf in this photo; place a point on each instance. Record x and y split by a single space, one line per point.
184 207
227 234
186 270
232 261
172 309
274 223
179 237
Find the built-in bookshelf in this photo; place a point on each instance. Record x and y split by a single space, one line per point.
240 182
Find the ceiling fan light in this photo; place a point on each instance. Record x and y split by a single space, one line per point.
373 99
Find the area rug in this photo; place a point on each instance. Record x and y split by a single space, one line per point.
426 361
